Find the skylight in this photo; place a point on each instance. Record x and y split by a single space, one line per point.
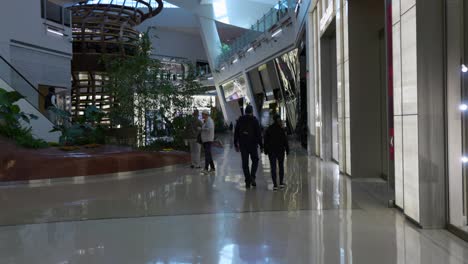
169 5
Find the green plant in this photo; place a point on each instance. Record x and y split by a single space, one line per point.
218 119
225 48
53 144
12 121
142 90
86 130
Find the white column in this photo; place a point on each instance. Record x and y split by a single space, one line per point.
212 44
311 83
251 95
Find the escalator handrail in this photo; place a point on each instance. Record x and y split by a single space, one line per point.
28 82
21 75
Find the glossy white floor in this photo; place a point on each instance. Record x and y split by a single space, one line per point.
176 215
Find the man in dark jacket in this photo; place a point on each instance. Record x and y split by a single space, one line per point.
276 145
247 138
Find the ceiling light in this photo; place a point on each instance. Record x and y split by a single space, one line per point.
235 60
277 32
250 49
210 78
464 159
223 68
463 107
464 68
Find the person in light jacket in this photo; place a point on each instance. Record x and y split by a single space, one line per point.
207 137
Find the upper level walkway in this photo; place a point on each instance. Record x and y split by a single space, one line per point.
177 215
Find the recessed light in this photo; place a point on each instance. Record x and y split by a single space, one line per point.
277 32
464 68
55 32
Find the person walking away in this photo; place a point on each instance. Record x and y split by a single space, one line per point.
207 138
276 145
49 104
193 131
247 138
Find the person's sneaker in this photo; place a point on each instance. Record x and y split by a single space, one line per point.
282 186
275 188
205 171
254 184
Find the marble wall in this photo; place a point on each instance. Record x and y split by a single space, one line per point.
405 107
322 14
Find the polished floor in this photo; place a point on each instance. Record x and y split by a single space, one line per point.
177 215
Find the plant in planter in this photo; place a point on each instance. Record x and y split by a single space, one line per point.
12 121
144 93
87 129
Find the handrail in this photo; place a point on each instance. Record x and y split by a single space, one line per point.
264 24
21 75
11 67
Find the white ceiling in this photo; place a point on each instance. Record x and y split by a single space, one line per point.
241 13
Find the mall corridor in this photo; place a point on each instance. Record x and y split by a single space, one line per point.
177 215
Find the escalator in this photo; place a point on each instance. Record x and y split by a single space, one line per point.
12 80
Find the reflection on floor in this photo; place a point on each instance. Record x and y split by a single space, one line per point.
177 215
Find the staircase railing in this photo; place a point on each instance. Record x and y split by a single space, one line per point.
17 81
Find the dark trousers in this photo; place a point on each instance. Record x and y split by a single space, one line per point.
208 156
274 158
249 173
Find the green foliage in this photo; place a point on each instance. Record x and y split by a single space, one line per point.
10 113
27 140
159 145
139 86
225 48
11 119
218 119
86 130
180 124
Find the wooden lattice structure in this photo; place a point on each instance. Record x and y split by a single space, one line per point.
103 27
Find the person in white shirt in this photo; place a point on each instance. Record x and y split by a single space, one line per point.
49 104
207 138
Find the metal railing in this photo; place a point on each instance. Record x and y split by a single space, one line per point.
19 83
282 9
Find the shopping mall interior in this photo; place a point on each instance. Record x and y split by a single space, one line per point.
105 104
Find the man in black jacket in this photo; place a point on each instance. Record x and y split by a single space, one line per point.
276 144
247 138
